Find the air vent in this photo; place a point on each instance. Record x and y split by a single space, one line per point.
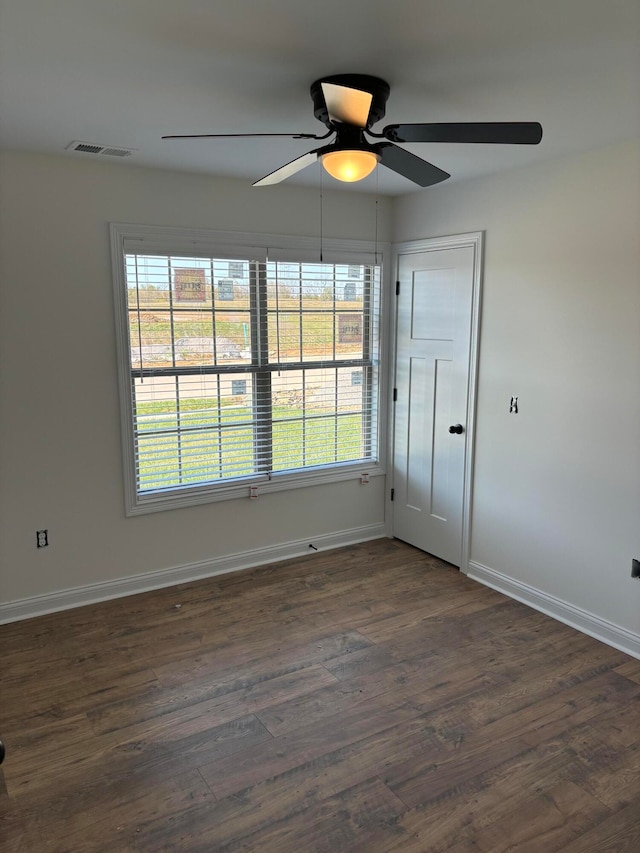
93 148
90 149
118 152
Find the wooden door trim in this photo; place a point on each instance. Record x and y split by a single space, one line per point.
474 240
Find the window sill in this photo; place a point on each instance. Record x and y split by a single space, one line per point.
195 496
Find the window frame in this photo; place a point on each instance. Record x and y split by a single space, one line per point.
126 238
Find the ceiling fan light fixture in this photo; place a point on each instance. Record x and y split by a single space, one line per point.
350 165
349 105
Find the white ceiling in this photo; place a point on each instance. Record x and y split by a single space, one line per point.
125 72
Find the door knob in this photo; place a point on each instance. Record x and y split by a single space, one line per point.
456 428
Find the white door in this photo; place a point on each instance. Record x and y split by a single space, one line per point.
435 357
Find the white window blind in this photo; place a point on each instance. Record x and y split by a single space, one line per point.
244 370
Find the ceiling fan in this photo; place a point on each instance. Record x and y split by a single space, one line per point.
349 104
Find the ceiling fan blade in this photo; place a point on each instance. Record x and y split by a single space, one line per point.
287 170
247 135
501 132
409 166
346 105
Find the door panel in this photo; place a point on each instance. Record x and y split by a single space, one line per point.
440 463
416 459
432 296
432 380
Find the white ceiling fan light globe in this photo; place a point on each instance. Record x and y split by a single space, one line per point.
350 166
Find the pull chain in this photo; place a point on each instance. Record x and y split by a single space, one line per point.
321 177
375 245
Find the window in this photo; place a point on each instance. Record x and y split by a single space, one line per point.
269 378
226 290
236 269
238 386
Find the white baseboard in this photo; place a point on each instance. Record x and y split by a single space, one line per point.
38 605
576 617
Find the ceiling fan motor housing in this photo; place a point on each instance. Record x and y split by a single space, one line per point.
377 88
348 138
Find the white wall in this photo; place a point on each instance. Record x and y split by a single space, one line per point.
60 455
556 502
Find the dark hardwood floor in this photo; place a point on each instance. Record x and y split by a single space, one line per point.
365 699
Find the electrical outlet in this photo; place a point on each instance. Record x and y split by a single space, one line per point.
42 538
635 568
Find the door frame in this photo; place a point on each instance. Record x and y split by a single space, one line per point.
474 240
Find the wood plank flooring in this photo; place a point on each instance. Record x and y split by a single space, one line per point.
366 699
